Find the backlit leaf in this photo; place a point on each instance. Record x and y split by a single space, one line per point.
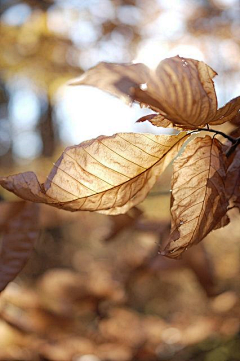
117 79
230 111
199 200
184 91
181 90
157 120
106 174
18 237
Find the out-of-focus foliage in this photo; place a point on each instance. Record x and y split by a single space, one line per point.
19 228
121 301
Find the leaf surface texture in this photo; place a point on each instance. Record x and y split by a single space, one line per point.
180 90
199 200
106 174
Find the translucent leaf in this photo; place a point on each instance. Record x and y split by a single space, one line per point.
106 174
117 79
199 199
230 111
184 91
181 90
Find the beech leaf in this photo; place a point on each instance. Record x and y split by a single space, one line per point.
180 90
230 111
184 91
106 174
236 119
19 234
199 200
117 79
157 120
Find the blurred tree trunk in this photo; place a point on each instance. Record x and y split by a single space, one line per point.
48 131
6 157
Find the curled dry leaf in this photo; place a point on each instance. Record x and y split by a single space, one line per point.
157 119
106 174
181 90
199 200
184 91
117 79
235 130
236 119
227 113
18 237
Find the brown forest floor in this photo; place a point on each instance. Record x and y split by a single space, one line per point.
88 291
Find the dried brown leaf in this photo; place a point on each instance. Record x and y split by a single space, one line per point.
26 186
181 90
236 119
19 234
106 174
199 199
117 79
157 120
184 91
229 112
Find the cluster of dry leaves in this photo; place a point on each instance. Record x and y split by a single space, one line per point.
112 174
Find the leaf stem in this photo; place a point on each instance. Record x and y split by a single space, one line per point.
233 140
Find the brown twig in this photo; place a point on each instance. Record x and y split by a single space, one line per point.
235 141
218 132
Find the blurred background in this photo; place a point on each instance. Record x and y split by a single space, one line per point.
101 293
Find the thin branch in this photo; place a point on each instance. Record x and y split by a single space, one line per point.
218 132
235 141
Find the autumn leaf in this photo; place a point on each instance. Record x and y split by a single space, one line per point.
117 79
106 174
158 120
199 200
229 112
180 90
236 119
235 132
184 90
19 233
